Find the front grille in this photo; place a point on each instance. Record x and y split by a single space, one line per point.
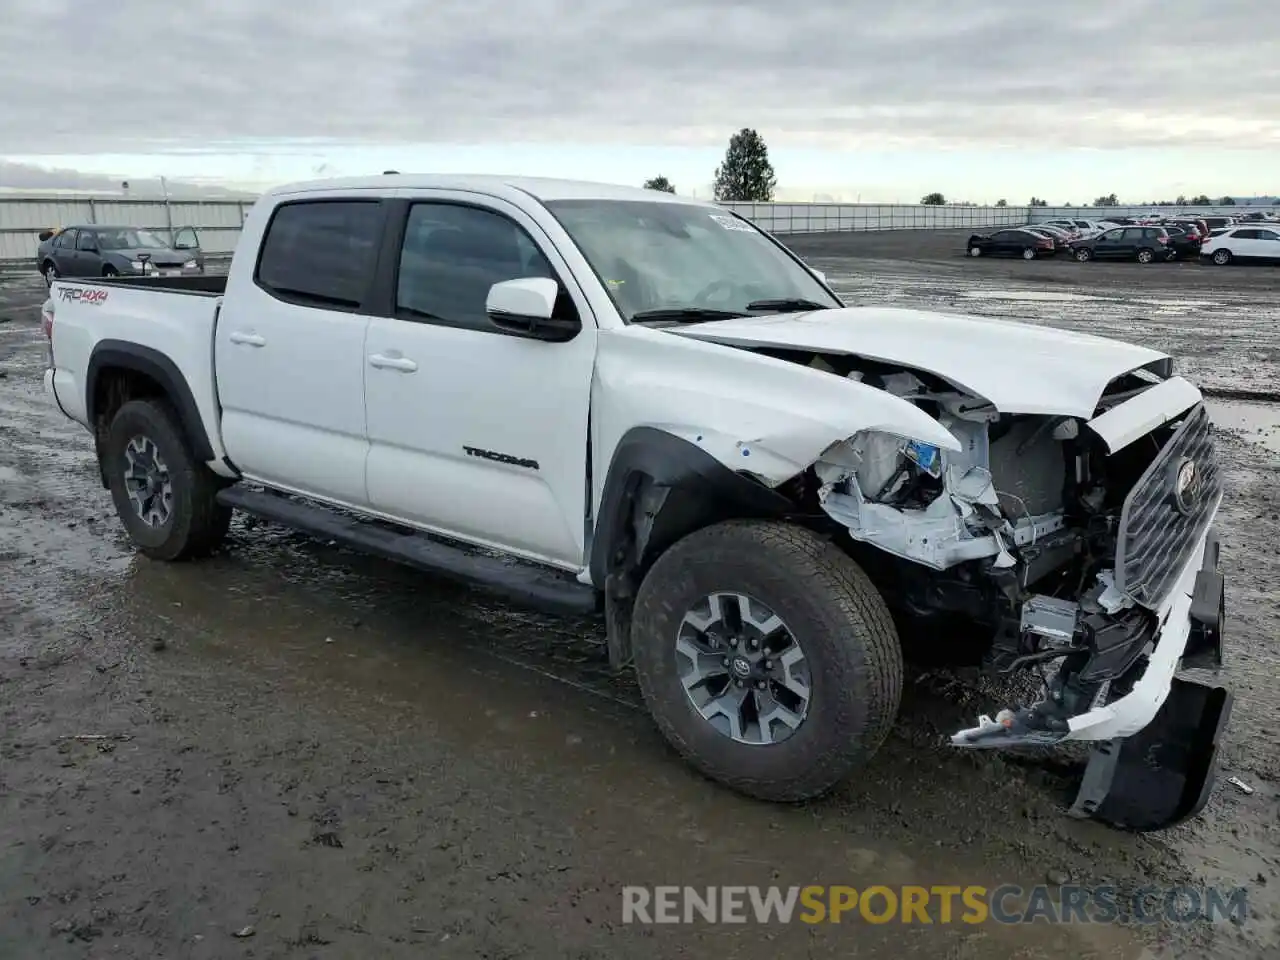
1155 539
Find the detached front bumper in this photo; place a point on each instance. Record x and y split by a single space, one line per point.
1157 744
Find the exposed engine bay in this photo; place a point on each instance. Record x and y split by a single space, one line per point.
1022 533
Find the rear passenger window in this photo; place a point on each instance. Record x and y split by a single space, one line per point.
321 252
453 254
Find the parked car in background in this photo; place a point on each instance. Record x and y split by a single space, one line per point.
1144 244
1184 238
1216 222
1061 238
99 250
1085 228
1202 228
1012 243
1259 244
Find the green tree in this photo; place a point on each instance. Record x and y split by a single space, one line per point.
1108 201
1002 202
1227 202
1037 202
933 199
746 173
659 183
1201 201
1181 201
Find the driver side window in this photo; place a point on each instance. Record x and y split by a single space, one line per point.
452 254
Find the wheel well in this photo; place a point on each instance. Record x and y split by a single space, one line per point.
106 267
112 389
659 489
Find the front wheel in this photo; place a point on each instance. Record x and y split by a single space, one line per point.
109 271
1028 254
51 273
166 498
767 658
975 251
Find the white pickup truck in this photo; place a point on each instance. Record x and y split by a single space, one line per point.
597 398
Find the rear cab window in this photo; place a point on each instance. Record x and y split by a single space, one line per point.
321 253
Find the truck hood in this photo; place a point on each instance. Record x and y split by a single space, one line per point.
1018 367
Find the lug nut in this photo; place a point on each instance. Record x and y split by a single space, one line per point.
768 664
754 644
733 641
760 685
724 661
738 682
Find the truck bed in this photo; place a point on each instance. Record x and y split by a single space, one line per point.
201 285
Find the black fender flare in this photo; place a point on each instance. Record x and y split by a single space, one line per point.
653 457
121 354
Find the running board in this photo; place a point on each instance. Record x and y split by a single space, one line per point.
523 582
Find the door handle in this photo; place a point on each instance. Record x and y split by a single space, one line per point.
248 339
403 364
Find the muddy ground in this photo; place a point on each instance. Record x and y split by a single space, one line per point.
343 758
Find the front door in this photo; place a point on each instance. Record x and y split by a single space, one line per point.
289 350
473 432
187 242
1109 245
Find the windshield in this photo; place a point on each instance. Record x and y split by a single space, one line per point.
655 256
118 238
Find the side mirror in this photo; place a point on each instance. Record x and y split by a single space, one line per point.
524 307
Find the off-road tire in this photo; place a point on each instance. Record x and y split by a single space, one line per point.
835 614
198 523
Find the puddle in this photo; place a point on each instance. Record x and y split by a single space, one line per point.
1037 295
1257 423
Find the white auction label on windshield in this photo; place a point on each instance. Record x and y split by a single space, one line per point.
731 223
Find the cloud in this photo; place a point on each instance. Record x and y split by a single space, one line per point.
154 75
31 178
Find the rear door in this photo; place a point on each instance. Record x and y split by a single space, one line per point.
289 349
88 256
63 252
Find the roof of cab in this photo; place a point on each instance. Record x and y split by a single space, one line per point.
542 188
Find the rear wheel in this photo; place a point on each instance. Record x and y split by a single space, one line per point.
1028 253
767 658
1222 257
166 498
1146 255
1084 254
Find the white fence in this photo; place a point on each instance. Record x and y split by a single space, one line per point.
218 221
21 219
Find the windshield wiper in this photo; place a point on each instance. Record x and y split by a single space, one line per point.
684 315
787 305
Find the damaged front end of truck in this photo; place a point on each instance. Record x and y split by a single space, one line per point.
1085 546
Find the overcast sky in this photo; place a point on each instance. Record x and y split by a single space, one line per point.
1064 99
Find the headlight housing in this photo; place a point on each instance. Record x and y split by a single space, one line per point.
189 265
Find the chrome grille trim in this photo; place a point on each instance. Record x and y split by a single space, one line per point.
1155 540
